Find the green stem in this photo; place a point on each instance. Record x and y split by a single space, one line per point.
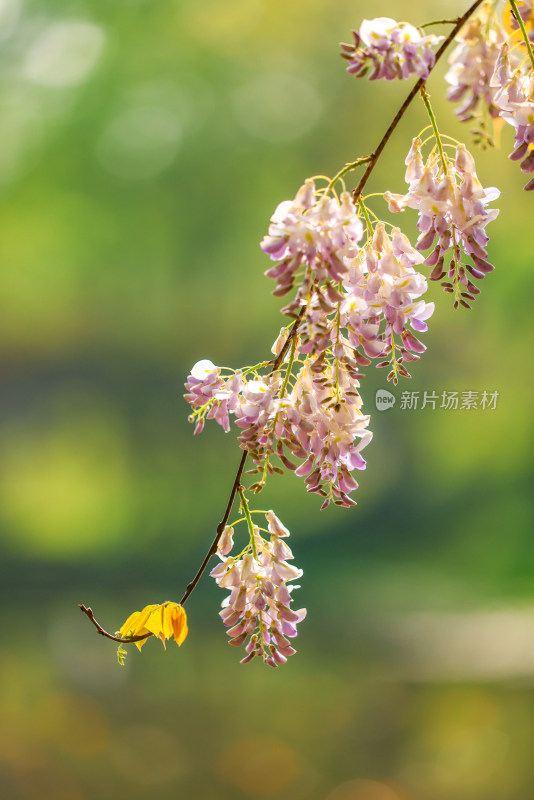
455 257
432 117
439 22
282 393
338 323
246 511
347 168
521 24
289 367
365 214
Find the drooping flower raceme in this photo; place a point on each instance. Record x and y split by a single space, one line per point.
452 206
472 65
383 297
211 395
256 407
384 48
258 610
317 234
325 426
515 98
318 420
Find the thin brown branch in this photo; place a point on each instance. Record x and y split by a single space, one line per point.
89 613
413 93
237 480
276 362
220 528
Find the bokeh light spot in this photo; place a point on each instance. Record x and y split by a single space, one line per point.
140 142
242 765
64 487
148 754
21 133
64 53
9 16
277 106
220 23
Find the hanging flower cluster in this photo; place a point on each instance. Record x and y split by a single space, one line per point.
258 610
472 65
318 421
384 48
493 73
383 297
318 235
452 206
515 98
325 426
357 301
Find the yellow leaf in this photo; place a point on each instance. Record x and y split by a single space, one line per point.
167 620
144 616
141 642
129 625
155 622
163 620
179 624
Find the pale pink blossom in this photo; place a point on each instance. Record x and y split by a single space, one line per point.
388 49
211 395
324 426
258 610
314 232
515 98
452 207
472 65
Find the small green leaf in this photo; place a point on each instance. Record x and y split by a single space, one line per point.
121 655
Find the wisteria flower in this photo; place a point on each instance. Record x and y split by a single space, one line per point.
388 49
258 611
316 233
324 426
472 65
452 206
211 395
515 98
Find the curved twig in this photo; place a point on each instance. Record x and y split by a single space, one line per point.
89 613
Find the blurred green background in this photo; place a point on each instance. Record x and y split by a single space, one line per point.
143 146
